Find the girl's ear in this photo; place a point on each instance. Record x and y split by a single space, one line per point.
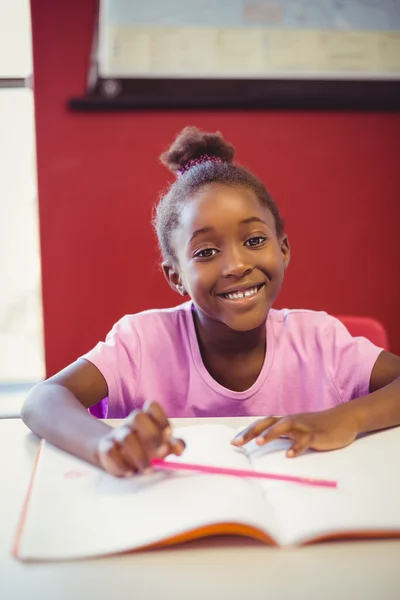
285 250
173 277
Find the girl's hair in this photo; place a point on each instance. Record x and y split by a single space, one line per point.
198 159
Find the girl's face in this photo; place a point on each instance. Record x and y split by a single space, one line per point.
230 260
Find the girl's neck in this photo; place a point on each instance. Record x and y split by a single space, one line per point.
233 358
220 339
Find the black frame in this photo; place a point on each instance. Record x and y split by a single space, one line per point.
286 94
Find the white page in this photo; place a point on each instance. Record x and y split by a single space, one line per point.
77 510
367 498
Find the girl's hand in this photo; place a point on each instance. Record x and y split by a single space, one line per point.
326 430
144 435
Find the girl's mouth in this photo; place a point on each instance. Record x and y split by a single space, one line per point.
243 295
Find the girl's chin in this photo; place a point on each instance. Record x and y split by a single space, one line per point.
242 324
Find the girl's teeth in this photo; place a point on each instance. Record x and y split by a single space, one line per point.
239 295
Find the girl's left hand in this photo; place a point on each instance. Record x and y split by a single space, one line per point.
326 430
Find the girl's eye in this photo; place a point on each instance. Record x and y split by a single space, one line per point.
255 241
206 253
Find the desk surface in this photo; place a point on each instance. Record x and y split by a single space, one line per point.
230 568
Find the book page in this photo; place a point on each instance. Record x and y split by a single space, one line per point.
76 510
367 498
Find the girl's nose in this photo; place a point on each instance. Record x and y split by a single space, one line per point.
236 264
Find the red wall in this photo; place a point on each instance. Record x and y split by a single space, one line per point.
336 177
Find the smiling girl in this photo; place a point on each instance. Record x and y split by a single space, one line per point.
225 351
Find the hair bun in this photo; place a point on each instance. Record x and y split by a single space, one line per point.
192 143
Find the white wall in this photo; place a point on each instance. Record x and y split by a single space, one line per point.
21 330
15 38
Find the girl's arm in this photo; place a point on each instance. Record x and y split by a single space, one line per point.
381 408
56 410
339 426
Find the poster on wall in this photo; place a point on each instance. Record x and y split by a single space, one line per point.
246 53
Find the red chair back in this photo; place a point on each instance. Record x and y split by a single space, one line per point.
367 327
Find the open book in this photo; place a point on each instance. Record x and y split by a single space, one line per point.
75 510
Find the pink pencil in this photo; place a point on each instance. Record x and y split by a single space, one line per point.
180 466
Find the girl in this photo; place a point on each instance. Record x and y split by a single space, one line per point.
225 352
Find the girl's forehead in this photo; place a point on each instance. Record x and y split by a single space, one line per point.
217 206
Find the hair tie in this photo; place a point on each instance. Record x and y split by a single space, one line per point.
198 161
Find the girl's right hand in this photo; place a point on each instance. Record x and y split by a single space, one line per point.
145 434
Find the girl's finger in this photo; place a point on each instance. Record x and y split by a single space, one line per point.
299 446
152 437
177 446
132 449
160 418
283 427
173 446
254 430
111 459
148 430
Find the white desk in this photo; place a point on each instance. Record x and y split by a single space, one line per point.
207 569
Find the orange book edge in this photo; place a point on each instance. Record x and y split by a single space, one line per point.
24 511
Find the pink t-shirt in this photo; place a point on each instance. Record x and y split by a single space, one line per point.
311 363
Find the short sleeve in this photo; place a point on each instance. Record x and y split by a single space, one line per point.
349 359
118 359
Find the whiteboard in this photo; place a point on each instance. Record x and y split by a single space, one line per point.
249 39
